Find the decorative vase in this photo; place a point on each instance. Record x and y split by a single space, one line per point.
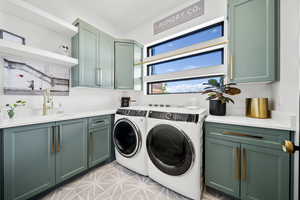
216 107
11 113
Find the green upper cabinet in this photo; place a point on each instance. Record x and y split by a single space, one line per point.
95 51
71 157
106 61
138 67
253 40
128 67
29 161
124 65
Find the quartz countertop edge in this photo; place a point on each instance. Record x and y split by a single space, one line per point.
52 118
252 122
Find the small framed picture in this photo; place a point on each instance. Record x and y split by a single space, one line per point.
5 35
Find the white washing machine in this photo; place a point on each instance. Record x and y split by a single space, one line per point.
174 147
129 136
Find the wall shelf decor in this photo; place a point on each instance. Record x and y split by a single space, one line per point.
8 48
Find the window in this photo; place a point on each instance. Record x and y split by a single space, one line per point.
198 36
212 58
193 85
187 61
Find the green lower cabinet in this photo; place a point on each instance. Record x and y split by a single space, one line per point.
71 157
35 158
29 161
222 173
265 174
99 145
247 163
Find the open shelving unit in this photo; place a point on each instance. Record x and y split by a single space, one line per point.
35 15
28 12
8 48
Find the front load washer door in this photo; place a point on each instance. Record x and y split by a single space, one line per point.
170 149
127 138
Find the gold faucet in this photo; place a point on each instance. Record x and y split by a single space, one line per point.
48 101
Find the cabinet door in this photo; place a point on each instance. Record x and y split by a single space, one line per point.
124 53
29 161
105 76
265 173
88 55
252 40
222 166
99 145
71 156
75 54
138 67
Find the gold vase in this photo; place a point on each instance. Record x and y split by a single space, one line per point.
258 108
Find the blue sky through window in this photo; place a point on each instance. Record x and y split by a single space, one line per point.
196 37
206 59
180 86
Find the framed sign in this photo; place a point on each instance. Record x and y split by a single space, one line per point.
180 17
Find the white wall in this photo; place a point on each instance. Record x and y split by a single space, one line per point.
70 11
286 91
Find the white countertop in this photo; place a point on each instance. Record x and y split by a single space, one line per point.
275 123
52 118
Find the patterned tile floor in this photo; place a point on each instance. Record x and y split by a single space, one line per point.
114 182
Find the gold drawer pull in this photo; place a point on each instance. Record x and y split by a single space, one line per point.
59 139
238 163
244 175
53 140
231 67
243 135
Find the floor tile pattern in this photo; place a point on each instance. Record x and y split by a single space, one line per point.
114 182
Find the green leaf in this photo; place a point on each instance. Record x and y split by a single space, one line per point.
213 82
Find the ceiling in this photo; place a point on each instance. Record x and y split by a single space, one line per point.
123 15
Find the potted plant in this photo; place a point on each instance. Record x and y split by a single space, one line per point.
11 108
216 91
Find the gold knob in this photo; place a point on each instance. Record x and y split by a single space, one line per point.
289 147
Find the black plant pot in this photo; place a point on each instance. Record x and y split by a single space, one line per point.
216 107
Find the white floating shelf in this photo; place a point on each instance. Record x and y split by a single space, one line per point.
35 15
13 49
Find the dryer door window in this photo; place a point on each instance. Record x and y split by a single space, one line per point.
127 138
170 149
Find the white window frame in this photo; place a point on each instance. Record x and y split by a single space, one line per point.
219 43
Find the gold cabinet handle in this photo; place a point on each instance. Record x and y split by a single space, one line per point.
245 167
91 142
289 147
242 135
53 140
231 67
59 139
238 163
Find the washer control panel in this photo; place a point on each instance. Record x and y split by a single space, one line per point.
174 116
129 112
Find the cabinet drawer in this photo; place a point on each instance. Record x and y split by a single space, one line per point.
99 121
250 135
